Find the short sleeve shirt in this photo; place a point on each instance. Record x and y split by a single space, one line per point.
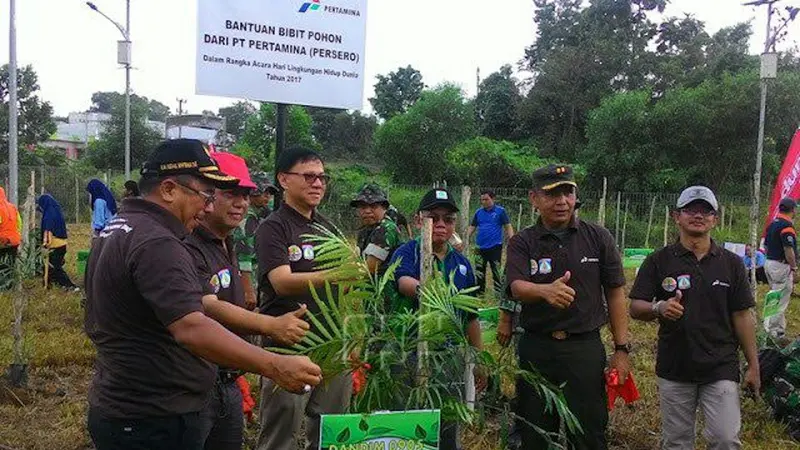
280 242
490 225
217 266
780 234
140 278
588 251
455 267
701 347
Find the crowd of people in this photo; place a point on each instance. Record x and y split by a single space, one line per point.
194 263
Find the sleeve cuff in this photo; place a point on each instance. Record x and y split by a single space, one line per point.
246 266
376 251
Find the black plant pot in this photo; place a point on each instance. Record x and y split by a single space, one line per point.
18 375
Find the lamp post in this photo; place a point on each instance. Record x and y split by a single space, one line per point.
13 162
123 58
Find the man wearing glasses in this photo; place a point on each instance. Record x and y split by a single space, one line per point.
561 269
156 345
286 268
700 296
438 204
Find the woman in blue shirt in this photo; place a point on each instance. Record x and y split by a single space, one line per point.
104 207
54 239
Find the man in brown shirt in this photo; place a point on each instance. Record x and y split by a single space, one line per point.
144 313
561 269
286 267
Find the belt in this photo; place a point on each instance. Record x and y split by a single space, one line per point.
563 335
226 376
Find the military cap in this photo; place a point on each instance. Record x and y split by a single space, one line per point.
553 176
263 183
186 157
370 194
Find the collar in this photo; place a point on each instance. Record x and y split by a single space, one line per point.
295 214
205 234
784 217
540 230
679 250
158 213
450 248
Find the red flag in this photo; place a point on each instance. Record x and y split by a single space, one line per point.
788 182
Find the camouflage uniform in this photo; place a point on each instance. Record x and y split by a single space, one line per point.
244 236
379 240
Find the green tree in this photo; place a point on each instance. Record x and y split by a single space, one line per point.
258 138
396 92
236 116
487 162
496 104
35 120
414 144
322 124
107 102
352 135
108 152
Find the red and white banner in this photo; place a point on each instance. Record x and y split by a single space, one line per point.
788 183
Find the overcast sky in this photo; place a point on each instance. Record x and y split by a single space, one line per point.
73 49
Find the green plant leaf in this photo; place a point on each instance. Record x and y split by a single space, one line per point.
420 433
343 436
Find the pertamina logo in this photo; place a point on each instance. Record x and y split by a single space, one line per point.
314 5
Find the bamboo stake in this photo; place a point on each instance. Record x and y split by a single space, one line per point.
425 273
650 222
666 224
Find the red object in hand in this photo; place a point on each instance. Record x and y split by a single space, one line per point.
627 390
360 378
247 400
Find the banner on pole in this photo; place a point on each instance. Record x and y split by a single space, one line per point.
395 430
306 52
788 182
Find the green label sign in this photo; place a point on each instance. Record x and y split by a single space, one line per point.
772 304
489 318
634 257
402 430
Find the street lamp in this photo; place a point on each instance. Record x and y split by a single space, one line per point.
123 58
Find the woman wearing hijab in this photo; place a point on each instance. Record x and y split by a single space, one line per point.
104 207
10 236
54 238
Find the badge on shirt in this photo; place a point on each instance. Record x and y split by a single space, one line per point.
215 283
224 278
308 252
684 282
462 269
534 267
669 284
545 266
295 253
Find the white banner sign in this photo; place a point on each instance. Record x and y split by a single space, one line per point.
306 52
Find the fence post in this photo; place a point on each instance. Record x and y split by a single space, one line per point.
666 224
601 212
616 226
466 193
625 224
519 218
41 180
650 222
77 202
722 217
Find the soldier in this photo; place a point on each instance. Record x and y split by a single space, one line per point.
244 236
379 236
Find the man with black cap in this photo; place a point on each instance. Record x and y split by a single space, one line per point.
700 295
244 236
561 269
286 267
781 265
145 316
211 246
437 204
379 236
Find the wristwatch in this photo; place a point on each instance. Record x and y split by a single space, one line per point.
656 308
623 347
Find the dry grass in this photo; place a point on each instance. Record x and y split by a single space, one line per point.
50 413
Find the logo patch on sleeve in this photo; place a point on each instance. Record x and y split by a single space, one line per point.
545 266
534 267
295 253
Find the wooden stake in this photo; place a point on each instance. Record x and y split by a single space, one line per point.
666 224
650 222
425 273
77 202
722 217
616 226
519 219
601 212
466 193
625 225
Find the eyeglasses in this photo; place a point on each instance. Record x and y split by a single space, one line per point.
448 219
208 197
695 211
312 177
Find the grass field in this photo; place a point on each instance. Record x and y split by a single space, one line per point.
50 413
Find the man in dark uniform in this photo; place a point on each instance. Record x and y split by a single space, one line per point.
286 267
781 264
244 235
560 269
211 245
379 235
699 293
145 316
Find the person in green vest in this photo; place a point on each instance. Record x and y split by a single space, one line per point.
379 235
244 237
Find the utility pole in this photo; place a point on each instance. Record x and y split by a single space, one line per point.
181 101
13 111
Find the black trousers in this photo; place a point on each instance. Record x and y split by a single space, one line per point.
57 274
8 256
492 256
180 432
578 363
222 421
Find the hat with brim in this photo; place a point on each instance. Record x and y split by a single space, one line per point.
697 193
553 176
370 194
437 198
186 157
234 166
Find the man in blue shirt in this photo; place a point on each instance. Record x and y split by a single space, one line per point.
781 243
760 259
437 204
491 221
